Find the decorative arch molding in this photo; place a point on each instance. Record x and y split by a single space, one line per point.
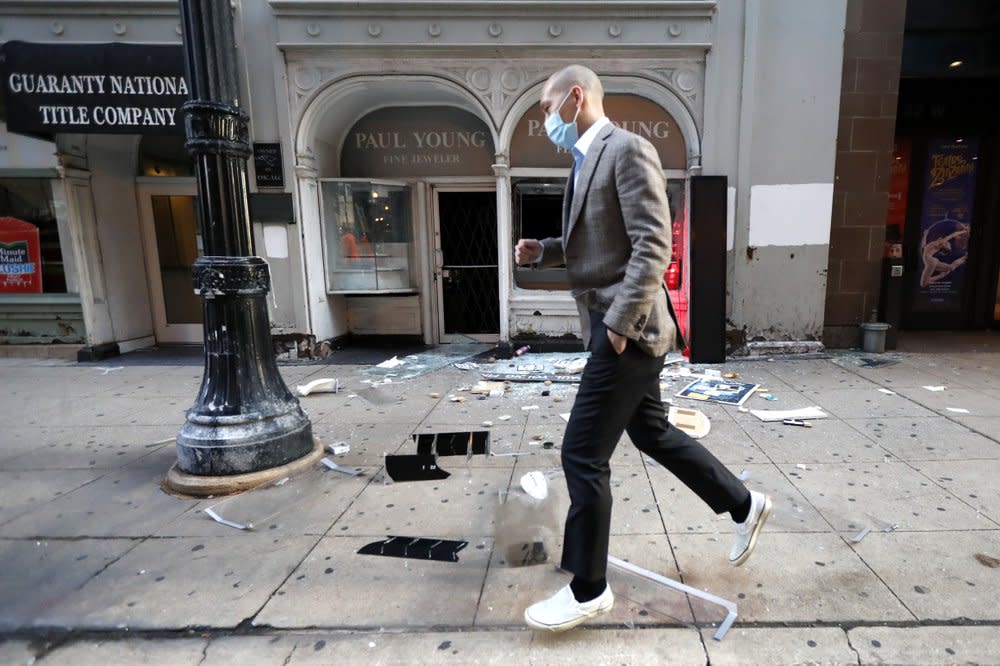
490 88
633 85
342 102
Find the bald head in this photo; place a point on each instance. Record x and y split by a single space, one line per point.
574 87
576 75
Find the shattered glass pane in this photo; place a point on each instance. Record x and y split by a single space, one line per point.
416 365
669 599
526 527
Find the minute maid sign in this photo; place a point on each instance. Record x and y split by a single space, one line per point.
104 88
20 257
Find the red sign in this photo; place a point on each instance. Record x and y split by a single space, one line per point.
899 187
20 257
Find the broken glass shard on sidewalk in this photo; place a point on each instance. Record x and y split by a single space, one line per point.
271 504
343 469
524 525
553 367
416 365
669 598
418 548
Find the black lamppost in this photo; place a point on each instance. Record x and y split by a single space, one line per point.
244 418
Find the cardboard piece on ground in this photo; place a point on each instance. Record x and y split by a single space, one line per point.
691 421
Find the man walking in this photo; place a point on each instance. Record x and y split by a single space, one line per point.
616 244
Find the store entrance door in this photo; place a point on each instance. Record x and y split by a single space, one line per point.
466 266
171 243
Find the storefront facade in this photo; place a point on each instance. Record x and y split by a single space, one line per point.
400 154
672 70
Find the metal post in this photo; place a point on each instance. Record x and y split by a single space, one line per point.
244 418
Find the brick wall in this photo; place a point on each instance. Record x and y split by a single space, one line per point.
873 44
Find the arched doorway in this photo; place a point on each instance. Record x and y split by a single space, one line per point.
398 207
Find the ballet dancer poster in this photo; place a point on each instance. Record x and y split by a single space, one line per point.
945 223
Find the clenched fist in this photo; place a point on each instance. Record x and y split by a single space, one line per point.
526 251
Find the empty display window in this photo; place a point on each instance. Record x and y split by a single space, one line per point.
537 213
368 236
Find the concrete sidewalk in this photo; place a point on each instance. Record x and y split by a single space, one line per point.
98 565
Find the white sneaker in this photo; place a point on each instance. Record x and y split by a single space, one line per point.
746 532
562 611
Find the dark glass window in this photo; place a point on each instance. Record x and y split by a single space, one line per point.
30 200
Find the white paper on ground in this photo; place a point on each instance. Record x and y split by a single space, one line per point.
565 417
958 410
887 391
935 388
782 414
391 363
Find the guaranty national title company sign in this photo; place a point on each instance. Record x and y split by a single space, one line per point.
94 88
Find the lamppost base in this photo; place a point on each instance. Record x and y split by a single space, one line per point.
203 486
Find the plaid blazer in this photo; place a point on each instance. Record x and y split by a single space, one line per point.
616 241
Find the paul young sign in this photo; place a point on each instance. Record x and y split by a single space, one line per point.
98 89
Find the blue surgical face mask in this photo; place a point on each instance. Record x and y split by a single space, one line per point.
563 134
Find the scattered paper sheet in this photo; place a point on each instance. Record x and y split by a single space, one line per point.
769 415
935 388
958 410
887 391
565 417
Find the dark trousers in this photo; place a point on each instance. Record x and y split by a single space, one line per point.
621 393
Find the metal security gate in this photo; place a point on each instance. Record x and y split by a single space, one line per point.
467 265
